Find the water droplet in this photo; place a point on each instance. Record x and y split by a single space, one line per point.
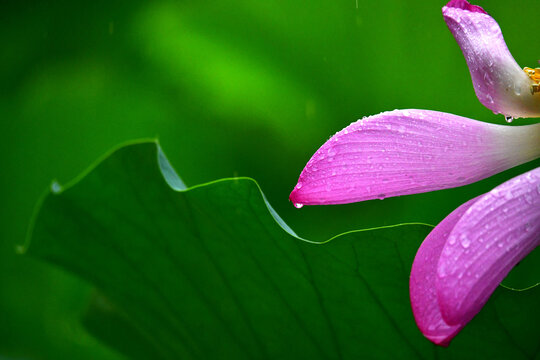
298 205
465 242
381 196
487 77
56 187
441 273
299 185
508 119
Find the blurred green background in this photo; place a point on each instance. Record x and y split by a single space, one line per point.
230 88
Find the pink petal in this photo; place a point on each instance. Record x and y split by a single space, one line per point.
410 151
493 235
499 82
465 5
423 294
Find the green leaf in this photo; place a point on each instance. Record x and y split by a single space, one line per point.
213 272
115 328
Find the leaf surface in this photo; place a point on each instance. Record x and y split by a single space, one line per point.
211 271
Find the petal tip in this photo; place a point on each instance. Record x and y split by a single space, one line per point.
443 341
295 196
464 5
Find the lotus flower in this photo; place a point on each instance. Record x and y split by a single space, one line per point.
401 152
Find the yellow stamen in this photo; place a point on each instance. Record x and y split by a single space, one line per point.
534 75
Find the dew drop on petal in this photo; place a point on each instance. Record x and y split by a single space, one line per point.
298 205
509 119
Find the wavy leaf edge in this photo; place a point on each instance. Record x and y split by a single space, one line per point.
171 177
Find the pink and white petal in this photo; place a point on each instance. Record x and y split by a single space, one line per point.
499 82
493 235
424 303
410 151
